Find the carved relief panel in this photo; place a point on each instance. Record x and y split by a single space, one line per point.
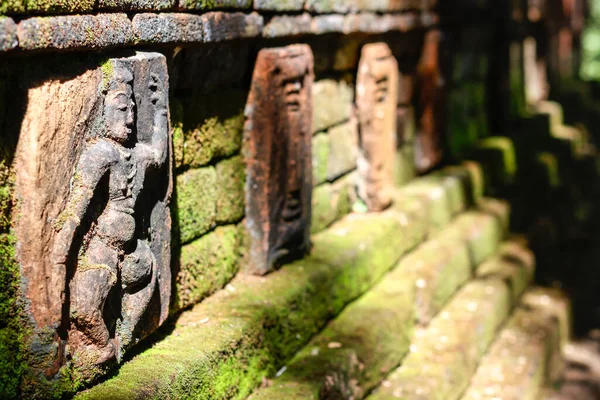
278 155
376 102
430 103
94 185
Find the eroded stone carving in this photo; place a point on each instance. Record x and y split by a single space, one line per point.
107 234
278 156
430 104
376 102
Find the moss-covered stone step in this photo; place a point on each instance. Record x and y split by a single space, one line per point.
371 336
526 355
444 355
223 347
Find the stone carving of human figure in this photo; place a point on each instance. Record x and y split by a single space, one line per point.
376 102
111 251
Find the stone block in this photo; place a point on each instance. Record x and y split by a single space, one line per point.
288 25
332 103
435 198
524 358
376 103
278 155
57 6
404 165
279 5
8 34
231 177
223 26
206 265
437 269
196 203
330 202
554 110
75 32
212 127
343 150
168 28
136 5
444 355
346 53
497 157
213 4
94 227
320 158
322 24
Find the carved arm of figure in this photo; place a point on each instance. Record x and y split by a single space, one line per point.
159 140
93 164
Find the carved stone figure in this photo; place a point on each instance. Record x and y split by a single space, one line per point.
278 156
430 104
376 102
108 231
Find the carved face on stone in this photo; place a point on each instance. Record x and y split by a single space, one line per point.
278 140
376 101
119 107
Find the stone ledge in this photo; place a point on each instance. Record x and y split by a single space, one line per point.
92 32
372 335
257 323
525 355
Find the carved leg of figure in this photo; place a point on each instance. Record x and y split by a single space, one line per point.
96 274
138 276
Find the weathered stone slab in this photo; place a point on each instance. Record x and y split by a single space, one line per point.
93 184
136 5
288 25
322 24
327 113
444 355
75 32
525 357
230 189
320 158
279 5
430 87
206 265
196 203
497 156
56 6
343 149
168 28
376 100
8 34
222 26
330 202
278 156
346 6
213 4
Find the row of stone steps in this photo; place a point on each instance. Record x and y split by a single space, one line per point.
373 334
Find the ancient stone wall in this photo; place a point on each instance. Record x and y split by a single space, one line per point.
191 190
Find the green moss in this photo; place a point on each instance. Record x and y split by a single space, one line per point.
59 6
231 178
12 7
404 165
498 158
320 157
212 4
196 203
212 127
206 265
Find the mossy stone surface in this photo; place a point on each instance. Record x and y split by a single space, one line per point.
223 347
320 157
213 4
209 126
12 7
46 6
196 203
498 158
330 202
332 103
353 353
206 265
404 165
231 178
